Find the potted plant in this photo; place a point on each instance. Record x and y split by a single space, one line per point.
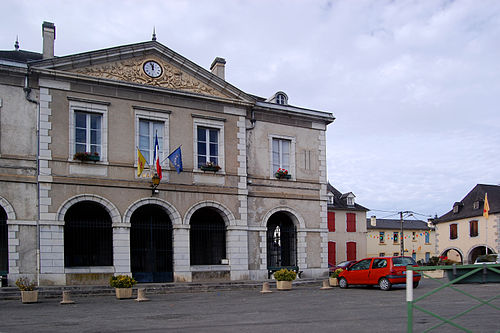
123 285
282 174
284 278
86 156
28 292
210 166
334 277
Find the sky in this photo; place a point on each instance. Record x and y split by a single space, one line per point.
414 85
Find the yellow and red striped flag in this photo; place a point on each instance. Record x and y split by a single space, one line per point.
141 162
486 208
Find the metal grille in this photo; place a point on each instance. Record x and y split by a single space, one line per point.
88 236
151 245
4 256
281 241
207 237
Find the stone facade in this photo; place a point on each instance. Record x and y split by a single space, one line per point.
42 183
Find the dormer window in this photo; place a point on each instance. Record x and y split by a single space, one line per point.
281 99
475 205
330 198
350 201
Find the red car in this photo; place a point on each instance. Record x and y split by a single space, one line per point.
381 271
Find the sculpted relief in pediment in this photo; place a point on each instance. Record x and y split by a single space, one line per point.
131 70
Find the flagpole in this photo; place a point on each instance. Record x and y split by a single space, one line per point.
170 154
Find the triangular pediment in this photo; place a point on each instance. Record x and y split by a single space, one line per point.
126 64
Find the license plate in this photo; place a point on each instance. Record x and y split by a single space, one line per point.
404 272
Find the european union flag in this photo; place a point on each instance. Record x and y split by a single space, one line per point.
176 159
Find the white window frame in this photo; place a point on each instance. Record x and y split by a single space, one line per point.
153 116
89 107
292 140
214 124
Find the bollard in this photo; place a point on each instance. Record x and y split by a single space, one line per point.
326 285
265 288
66 298
141 292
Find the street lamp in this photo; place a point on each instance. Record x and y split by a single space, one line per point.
155 182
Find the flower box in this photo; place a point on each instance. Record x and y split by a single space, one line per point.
333 281
284 285
29 296
210 166
123 293
94 157
282 174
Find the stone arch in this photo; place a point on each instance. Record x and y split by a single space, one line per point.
295 217
445 252
172 213
9 210
226 215
110 208
476 251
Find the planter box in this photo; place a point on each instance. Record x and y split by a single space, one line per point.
123 293
284 285
437 274
333 282
29 296
212 169
283 176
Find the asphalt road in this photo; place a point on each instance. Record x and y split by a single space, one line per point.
303 309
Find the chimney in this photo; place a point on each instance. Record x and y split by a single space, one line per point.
373 221
49 35
218 67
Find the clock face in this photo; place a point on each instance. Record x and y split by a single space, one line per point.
152 68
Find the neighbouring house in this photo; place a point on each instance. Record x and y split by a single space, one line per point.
232 183
472 227
346 227
384 238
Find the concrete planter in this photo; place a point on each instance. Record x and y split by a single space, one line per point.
437 274
333 282
284 285
123 293
29 296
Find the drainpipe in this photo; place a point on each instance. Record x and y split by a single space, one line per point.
27 92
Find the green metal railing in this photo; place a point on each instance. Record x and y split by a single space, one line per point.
456 274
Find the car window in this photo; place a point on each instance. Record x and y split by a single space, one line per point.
403 261
487 258
379 263
363 264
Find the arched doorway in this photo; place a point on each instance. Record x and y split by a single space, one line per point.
478 251
281 241
88 235
454 255
207 237
4 249
151 245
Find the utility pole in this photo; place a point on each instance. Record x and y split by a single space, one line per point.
401 238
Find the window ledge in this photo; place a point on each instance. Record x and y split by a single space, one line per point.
90 269
210 268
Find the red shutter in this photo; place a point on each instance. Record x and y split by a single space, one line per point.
331 221
332 254
351 250
351 222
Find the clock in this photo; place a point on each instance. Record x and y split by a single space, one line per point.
152 69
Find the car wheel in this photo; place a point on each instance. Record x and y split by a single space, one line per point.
343 283
415 284
384 284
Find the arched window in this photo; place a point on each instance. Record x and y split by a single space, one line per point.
4 252
281 241
88 235
207 237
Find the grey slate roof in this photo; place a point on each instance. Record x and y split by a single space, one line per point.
396 224
466 208
340 201
20 56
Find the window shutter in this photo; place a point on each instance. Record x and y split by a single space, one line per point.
331 221
351 222
332 255
351 250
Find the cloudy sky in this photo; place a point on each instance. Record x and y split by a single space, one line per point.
414 85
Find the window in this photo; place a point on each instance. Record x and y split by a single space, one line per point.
427 238
395 254
379 263
88 125
453 231
395 237
414 255
427 256
332 254
148 130
351 222
331 221
281 99
381 254
330 198
414 236
209 141
208 145
351 250
475 205
473 227
350 201
362 265
381 237
281 154
4 248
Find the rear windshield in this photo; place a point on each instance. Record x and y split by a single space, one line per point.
403 261
487 258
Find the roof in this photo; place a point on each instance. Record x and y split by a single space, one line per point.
20 56
340 201
466 205
396 224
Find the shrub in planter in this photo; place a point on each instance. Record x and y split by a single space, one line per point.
28 292
122 281
284 278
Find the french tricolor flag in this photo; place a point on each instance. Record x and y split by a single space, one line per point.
157 157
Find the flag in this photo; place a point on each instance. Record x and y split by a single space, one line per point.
486 208
141 162
176 159
157 157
